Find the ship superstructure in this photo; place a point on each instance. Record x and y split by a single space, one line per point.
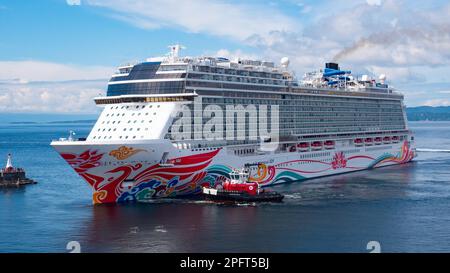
330 122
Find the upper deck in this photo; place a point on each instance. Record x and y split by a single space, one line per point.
175 75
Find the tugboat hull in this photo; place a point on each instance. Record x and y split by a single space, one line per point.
230 196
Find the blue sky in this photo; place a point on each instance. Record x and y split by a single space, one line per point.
60 53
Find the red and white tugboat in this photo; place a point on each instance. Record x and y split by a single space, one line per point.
238 189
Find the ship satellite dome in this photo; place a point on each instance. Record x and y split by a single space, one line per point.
285 61
365 78
382 77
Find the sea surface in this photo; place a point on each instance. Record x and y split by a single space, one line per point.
404 208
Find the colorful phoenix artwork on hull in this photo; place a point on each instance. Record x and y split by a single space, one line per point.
187 175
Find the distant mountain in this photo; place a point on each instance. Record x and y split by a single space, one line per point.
84 121
441 113
74 121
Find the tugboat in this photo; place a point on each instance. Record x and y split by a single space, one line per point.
13 177
239 189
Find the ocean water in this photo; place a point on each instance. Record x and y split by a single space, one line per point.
405 208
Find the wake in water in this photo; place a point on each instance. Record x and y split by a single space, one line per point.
432 150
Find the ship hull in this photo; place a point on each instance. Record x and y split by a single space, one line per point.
132 171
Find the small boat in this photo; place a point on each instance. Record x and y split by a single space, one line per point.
368 141
395 139
358 142
386 140
316 145
238 188
329 144
303 146
377 140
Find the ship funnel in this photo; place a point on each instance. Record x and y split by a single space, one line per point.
334 66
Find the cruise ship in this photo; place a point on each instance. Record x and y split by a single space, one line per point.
172 125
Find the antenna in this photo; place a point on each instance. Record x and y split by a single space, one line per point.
175 50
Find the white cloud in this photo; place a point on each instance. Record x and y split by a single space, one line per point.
235 20
374 2
437 102
51 97
33 86
47 71
73 2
